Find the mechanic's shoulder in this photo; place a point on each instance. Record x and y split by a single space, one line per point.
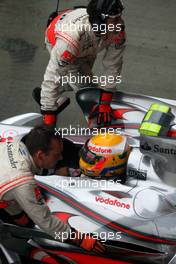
78 15
75 22
21 155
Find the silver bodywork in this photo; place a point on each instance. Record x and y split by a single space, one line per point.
140 213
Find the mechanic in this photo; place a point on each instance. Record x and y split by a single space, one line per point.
105 156
73 39
21 159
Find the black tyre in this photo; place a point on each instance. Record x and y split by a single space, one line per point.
2 258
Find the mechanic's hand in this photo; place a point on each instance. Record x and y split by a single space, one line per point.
49 117
105 112
88 242
74 172
62 171
66 171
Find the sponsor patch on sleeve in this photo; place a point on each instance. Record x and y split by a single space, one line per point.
120 40
38 195
23 151
67 57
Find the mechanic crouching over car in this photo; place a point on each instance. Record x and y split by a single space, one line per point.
21 159
74 38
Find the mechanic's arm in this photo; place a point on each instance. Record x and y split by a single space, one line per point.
29 198
113 59
62 55
112 62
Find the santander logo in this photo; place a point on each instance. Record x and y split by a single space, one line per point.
112 202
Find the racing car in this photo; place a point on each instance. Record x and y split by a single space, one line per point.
136 218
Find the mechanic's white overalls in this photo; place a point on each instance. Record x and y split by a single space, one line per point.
73 48
18 188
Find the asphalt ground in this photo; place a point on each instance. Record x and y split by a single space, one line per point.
149 61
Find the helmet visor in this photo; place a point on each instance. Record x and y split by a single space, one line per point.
88 156
115 16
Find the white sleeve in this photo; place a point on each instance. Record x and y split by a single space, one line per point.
63 54
29 199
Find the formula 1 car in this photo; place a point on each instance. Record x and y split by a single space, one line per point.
136 219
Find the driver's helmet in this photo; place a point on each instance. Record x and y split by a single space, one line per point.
105 155
100 10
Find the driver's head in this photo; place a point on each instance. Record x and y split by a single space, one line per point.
44 146
105 12
105 156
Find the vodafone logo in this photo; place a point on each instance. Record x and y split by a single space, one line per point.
99 149
112 202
